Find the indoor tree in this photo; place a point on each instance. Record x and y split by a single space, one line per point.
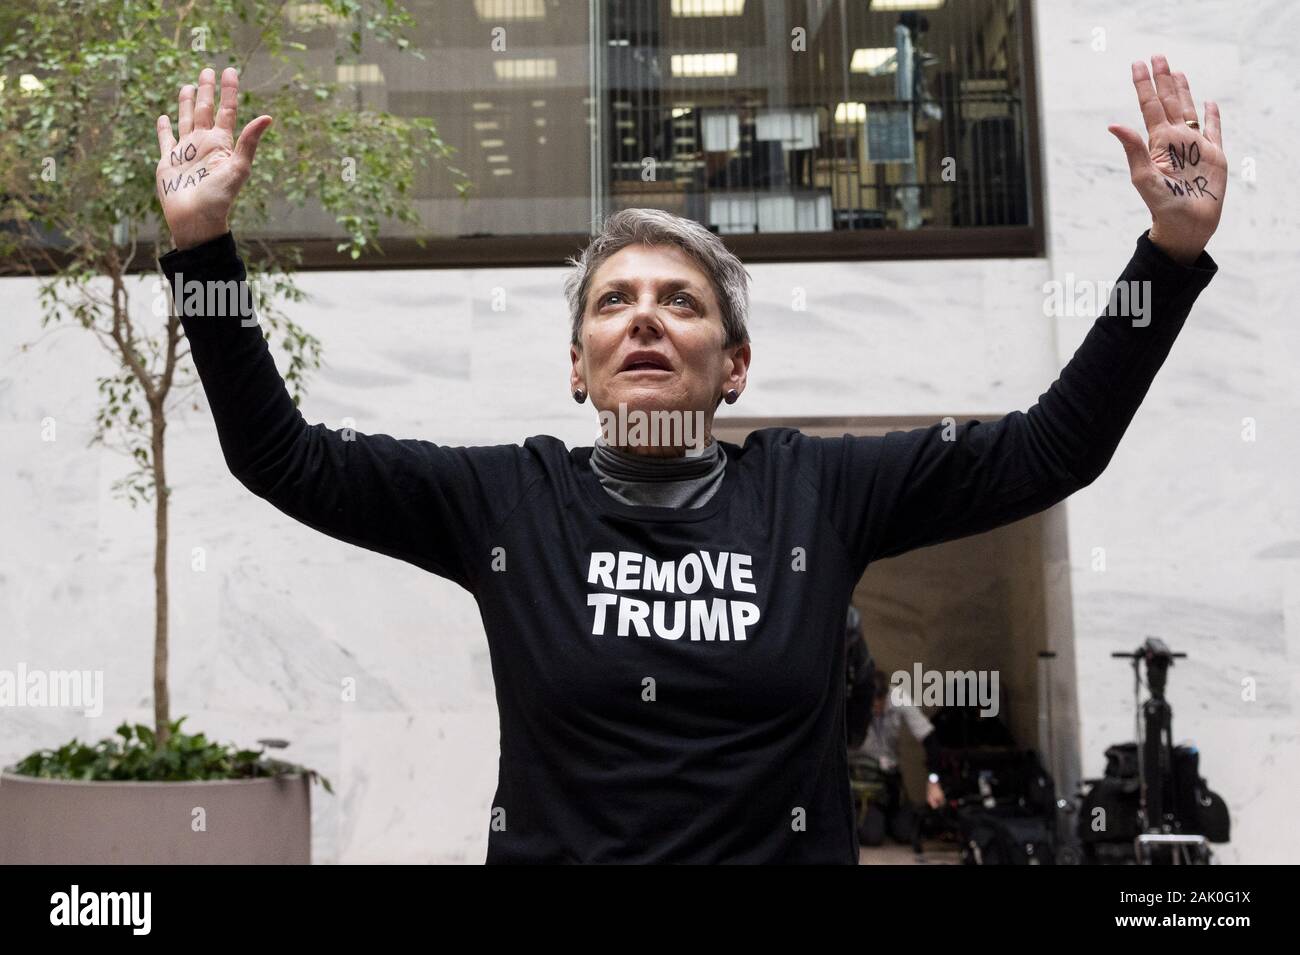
82 83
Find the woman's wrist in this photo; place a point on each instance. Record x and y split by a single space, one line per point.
188 238
1184 253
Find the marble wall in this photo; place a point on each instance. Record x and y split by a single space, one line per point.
1199 528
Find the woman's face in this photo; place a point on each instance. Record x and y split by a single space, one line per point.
652 336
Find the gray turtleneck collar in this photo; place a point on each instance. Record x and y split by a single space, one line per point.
688 481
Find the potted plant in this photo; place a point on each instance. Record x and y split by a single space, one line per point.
77 208
129 799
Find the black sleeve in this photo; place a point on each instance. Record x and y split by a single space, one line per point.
931 744
429 505
886 495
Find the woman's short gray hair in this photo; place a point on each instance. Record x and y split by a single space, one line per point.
656 227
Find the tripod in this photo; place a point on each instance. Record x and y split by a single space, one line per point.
1158 823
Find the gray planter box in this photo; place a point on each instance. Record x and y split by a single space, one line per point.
248 821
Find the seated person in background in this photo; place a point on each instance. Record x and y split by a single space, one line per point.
881 744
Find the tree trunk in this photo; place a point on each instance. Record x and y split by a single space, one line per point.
161 700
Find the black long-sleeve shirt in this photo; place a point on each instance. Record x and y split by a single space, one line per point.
671 682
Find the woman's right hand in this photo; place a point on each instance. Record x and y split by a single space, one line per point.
199 176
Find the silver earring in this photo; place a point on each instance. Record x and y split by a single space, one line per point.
579 395
731 396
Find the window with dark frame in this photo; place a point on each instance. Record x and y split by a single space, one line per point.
796 129
793 116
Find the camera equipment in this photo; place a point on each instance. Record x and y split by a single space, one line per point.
1152 804
1002 802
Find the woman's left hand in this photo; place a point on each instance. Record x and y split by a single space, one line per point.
1181 173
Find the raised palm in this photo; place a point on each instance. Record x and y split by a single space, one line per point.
1180 171
199 176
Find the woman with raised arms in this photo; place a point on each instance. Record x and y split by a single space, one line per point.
665 611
